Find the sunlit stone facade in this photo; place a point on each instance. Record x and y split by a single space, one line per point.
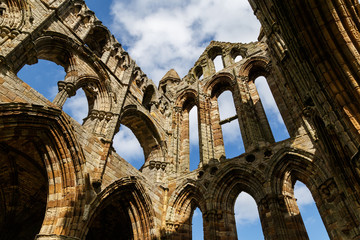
63 180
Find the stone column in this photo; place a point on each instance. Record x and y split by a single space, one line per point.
205 133
66 90
281 219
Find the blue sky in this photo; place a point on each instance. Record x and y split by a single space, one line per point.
166 34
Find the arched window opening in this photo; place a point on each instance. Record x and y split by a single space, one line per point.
314 225
194 139
43 77
128 147
197 225
218 63
271 109
233 142
248 225
199 72
97 39
238 58
148 97
77 106
113 221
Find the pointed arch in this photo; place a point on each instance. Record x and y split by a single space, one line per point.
149 97
136 210
228 183
290 165
54 140
184 103
185 199
145 131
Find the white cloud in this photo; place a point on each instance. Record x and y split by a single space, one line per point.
166 34
226 105
303 195
77 106
193 126
128 147
246 211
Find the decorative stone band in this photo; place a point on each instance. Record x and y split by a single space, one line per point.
68 87
101 115
157 165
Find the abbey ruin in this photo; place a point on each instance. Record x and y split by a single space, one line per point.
63 180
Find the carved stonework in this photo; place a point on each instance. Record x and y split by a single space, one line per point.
14 15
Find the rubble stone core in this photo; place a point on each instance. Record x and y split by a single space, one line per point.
63 180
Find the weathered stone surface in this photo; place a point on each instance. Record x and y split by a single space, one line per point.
63 180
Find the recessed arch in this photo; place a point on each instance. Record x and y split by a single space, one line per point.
296 165
53 140
185 103
149 97
185 199
230 182
145 131
98 39
126 199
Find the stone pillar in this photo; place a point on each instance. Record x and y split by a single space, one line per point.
205 133
217 135
66 90
249 123
281 219
227 59
220 225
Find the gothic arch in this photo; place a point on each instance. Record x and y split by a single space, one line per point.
145 131
228 183
219 83
53 139
184 103
184 200
233 179
96 91
149 97
98 39
187 99
299 164
136 209
255 67
292 165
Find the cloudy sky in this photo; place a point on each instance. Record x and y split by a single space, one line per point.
164 34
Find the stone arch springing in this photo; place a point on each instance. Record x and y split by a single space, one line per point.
127 203
185 102
198 72
145 131
185 199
